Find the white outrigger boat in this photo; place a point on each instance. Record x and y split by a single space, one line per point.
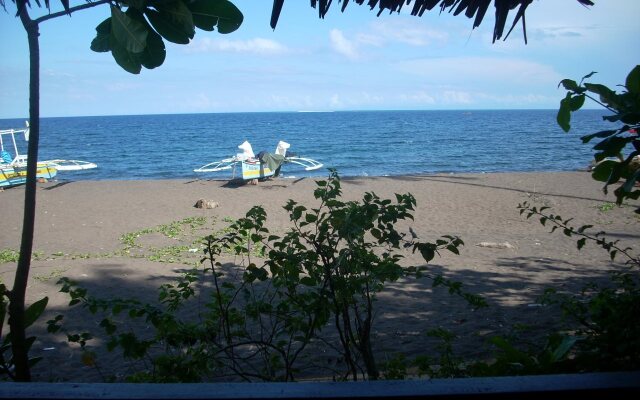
261 166
13 165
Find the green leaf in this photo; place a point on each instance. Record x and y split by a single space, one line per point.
154 52
427 252
607 95
633 80
584 228
154 55
307 281
564 113
452 248
138 4
173 21
580 243
563 348
601 134
130 34
297 212
209 13
104 27
101 43
33 361
602 171
108 326
576 102
569 84
35 311
612 145
631 182
128 61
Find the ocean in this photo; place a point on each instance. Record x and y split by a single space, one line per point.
359 143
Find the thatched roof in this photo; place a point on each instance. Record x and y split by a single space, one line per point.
471 8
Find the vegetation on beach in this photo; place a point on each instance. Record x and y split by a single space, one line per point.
9 255
603 333
134 34
266 313
260 321
611 164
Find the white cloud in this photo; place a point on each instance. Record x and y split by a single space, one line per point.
412 32
121 86
56 74
456 97
258 46
420 97
335 102
554 33
200 102
381 33
342 45
289 101
355 100
481 70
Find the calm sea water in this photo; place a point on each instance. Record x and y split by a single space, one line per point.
366 143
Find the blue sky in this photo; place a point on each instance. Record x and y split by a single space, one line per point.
350 61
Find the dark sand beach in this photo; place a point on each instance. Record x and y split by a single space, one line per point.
80 227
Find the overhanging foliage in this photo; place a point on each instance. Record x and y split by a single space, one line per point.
471 8
136 29
611 164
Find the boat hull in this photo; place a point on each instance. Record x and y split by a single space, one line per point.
255 170
14 175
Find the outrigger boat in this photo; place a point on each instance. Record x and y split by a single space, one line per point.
261 166
13 167
17 175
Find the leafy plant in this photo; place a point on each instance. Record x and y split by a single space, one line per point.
599 238
611 164
512 359
604 207
607 336
259 322
8 255
31 314
345 253
133 44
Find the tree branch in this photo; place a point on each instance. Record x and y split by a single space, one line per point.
71 10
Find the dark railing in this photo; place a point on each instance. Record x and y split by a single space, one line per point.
615 385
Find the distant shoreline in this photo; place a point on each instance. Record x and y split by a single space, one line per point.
586 108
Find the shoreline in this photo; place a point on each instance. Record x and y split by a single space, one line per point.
82 228
201 177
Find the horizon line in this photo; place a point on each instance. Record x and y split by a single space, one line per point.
303 112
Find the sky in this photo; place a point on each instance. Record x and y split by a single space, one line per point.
347 61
